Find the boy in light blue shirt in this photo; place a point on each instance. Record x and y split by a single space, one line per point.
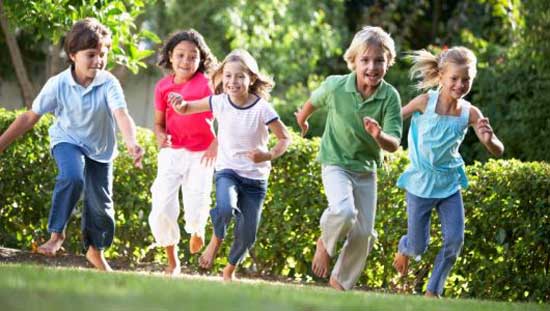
86 101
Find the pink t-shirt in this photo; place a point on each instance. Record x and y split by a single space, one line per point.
193 132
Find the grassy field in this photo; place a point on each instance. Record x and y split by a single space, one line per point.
25 287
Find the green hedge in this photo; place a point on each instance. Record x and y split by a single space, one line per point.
506 254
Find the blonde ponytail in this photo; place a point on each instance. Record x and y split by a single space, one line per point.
427 67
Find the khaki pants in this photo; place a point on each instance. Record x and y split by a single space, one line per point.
350 215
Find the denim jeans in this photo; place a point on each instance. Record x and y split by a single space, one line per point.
243 198
79 174
415 243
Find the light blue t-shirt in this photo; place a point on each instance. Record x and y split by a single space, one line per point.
436 169
83 116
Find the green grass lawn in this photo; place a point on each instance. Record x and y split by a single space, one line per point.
41 288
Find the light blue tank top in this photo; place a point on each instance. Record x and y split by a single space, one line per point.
436 169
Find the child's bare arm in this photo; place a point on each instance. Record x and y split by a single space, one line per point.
163 140
484 132
384 141
417 104
283 141
302 115
188 107
128 130
18 127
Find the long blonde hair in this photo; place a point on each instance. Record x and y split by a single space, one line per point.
427 66
262 84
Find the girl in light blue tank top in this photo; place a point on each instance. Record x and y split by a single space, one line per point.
437 168
440 120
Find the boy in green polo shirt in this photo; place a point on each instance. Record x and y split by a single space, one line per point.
364 118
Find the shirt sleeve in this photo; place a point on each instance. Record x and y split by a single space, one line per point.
115 95
393 121
46 101
320 95
215 102
268 113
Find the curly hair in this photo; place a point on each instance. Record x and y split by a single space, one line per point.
207 60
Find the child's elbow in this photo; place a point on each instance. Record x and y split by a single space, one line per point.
499 152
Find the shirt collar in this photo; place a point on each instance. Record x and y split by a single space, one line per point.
99 79
351 87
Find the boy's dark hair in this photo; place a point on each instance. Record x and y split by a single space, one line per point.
85 34
207 60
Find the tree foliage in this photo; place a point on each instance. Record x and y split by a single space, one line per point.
49 20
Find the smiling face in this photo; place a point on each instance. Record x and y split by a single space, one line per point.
88 62
371 66
236 81
185 59
456 80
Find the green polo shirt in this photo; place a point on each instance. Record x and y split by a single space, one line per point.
345 142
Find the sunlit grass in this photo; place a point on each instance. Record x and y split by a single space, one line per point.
41 288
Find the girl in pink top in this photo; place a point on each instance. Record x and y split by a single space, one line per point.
187 145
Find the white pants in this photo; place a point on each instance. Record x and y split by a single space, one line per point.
350 215
180 168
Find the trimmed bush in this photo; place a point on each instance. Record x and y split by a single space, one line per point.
506 255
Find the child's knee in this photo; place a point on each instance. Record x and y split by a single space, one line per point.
418 249
345 214
222 210
73 180
454 244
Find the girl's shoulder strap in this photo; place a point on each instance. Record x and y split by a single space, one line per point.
432 101
465 114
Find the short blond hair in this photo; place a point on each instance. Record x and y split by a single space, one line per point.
427 66
262 84
367 37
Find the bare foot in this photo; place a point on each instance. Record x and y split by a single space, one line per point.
207 258
96 258
195 243
401 263
174 267
321 260
229 273
53 245
335 284
431 295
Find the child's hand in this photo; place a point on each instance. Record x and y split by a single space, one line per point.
258 156
164 140
209 156
304 125
484 130
372 127
137 154
177 102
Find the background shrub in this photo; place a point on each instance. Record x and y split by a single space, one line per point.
506 255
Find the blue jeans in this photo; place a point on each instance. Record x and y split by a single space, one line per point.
78 174
243 198
415 243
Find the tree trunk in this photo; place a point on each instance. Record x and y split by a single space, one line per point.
27 88
55 64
